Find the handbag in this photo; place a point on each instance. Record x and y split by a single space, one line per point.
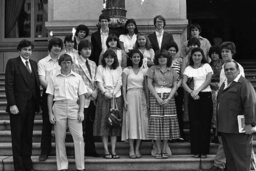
113 119
190 83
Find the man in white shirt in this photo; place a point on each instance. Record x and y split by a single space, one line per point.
46 67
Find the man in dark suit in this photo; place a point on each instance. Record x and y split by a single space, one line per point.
23 94
99 38
236 97
160 39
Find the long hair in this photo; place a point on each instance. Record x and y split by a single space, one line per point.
128 22
111 53
113 37
197 49
131 53
148 43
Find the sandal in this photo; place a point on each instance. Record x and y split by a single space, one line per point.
108 156
115 156
158 156
165 155
132 156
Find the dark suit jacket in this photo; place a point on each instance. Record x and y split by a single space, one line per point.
17 87
167 39
96 45
238 99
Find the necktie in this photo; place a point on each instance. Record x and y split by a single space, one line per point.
88 67
27 66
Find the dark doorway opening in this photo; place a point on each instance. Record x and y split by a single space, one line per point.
226 20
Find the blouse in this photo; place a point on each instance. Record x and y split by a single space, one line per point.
134 80
111 78
128 41
160 78
199 75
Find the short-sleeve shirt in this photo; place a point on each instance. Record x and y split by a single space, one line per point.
199 75
66 87
128 41
47 66
110 78
134 80
160 78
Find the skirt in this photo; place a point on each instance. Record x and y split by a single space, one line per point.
135 119
163 122
103 105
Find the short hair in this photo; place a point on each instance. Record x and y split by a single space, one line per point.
65 57
194 41
131 53
111 53
214 49
113 37
68 38
24 43
173 44
84 44
236 64
160 17
194 26
55 41
163 53
128 22
82 27
197 49
103 16
148 43
228 45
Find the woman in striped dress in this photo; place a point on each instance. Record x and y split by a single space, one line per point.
163 122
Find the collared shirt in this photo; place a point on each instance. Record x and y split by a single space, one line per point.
47 66
66 87
160 78
104 36
159 36
223 76
128 41
205 45
226 84
24 62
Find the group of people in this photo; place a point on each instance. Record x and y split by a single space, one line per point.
150 84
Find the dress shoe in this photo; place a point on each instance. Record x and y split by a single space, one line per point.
43 157
214 168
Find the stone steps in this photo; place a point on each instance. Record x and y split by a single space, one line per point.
122 148
174 163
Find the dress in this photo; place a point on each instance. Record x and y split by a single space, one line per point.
163 122
135 119
110 79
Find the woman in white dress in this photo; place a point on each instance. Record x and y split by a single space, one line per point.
135 120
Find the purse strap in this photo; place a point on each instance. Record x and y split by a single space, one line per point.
114 103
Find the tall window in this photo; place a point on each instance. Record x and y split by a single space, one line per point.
25 18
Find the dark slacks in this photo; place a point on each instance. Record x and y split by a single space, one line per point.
200 115
179 108
47 127
89 116
21 131
238 150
